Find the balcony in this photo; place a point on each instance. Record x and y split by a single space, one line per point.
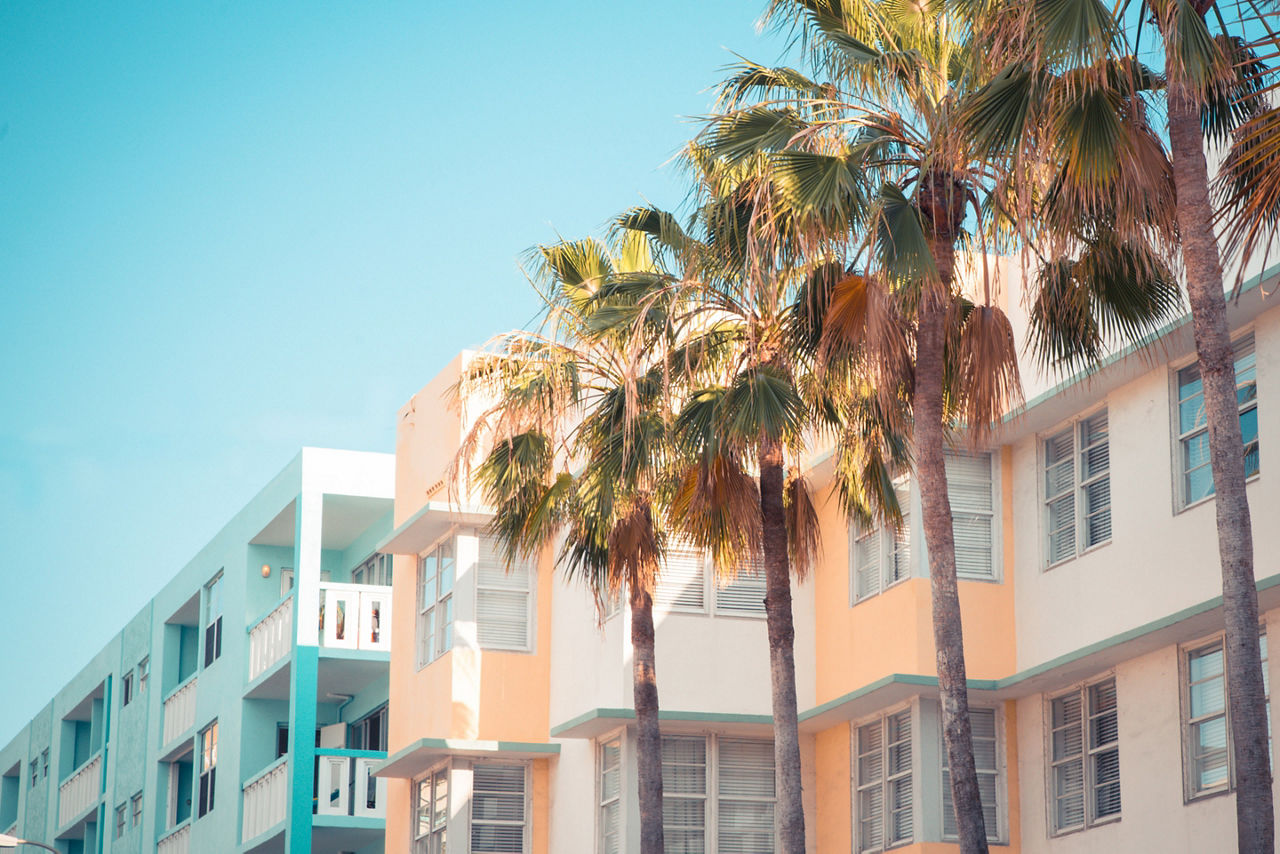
271 638
266 800
355 616
179 712
81 792
345 785
176 841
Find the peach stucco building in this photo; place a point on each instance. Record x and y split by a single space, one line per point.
1089 583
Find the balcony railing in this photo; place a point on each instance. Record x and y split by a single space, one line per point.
12 831
270 639
355 616
179 711
345 784
266 799
176 841
81 790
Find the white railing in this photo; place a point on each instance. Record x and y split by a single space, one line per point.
338 793
82 790
266 800
355 616
176 842
13 831
180 711
270 639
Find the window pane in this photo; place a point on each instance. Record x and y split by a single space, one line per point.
1249 435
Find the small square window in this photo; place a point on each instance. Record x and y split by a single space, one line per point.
126 689
144 674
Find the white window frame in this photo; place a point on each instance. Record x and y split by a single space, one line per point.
214 607
993 514
1241 347
1079 486
433 840
892 547
1191 790
995 830
507 586
433 635
1088 757
144 674
885 781
376 571
712 797
525 792
207 767
616 741
718 596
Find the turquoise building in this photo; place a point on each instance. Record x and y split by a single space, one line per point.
245 706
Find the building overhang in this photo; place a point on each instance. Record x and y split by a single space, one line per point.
429 524
598 722
420 755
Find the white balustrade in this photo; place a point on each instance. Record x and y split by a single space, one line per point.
333 787
266 800
371 791
271 639
177 842
355 616
180 711
13 831
81 791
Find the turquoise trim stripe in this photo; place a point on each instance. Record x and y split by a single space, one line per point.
351 752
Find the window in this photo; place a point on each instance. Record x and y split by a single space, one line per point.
431 807
885 797
1077 488
611 797
126 689
44 763
683 584
1085 757
120 811
718 794
213 620
882 557
370 732
1193 425
1206 721
498 809
376 570
136 803
144 674
35 772
282 740
502 599
985 744
969 485
435 602
208 767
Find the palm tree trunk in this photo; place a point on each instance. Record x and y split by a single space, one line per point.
782 661
939 537
1255 819
648 734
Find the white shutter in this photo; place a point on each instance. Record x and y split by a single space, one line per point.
682 585
610 797
1095 479
866 563
898 792
497 809
983 726
502 600
747 793
970 489
744 593
899 558
684 792
870 773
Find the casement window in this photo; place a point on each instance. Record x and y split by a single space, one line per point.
1084 770
44 764
144 674
213 620
35 771
370 732
1206 721
1077 488
208 768
136 803
1193 425
688 583
985 747
436 572
885 794
718 794
376 571
610 814
503 599
431 809
126 689
120 814
970 487
499 814
881 556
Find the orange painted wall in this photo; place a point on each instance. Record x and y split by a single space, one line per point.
428 433
541 807
835 799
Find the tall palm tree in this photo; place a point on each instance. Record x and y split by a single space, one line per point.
877 162
576 438
1211 83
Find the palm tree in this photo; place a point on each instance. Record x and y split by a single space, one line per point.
576 439
878 162
1212 84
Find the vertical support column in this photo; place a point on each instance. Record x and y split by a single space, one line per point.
304 673
460 805
467 661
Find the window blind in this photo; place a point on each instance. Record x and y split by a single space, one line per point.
502 599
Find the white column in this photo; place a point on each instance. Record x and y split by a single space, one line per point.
310 522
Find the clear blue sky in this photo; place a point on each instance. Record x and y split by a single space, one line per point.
228 230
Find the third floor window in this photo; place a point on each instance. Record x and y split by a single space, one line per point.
1193 424
1077 488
